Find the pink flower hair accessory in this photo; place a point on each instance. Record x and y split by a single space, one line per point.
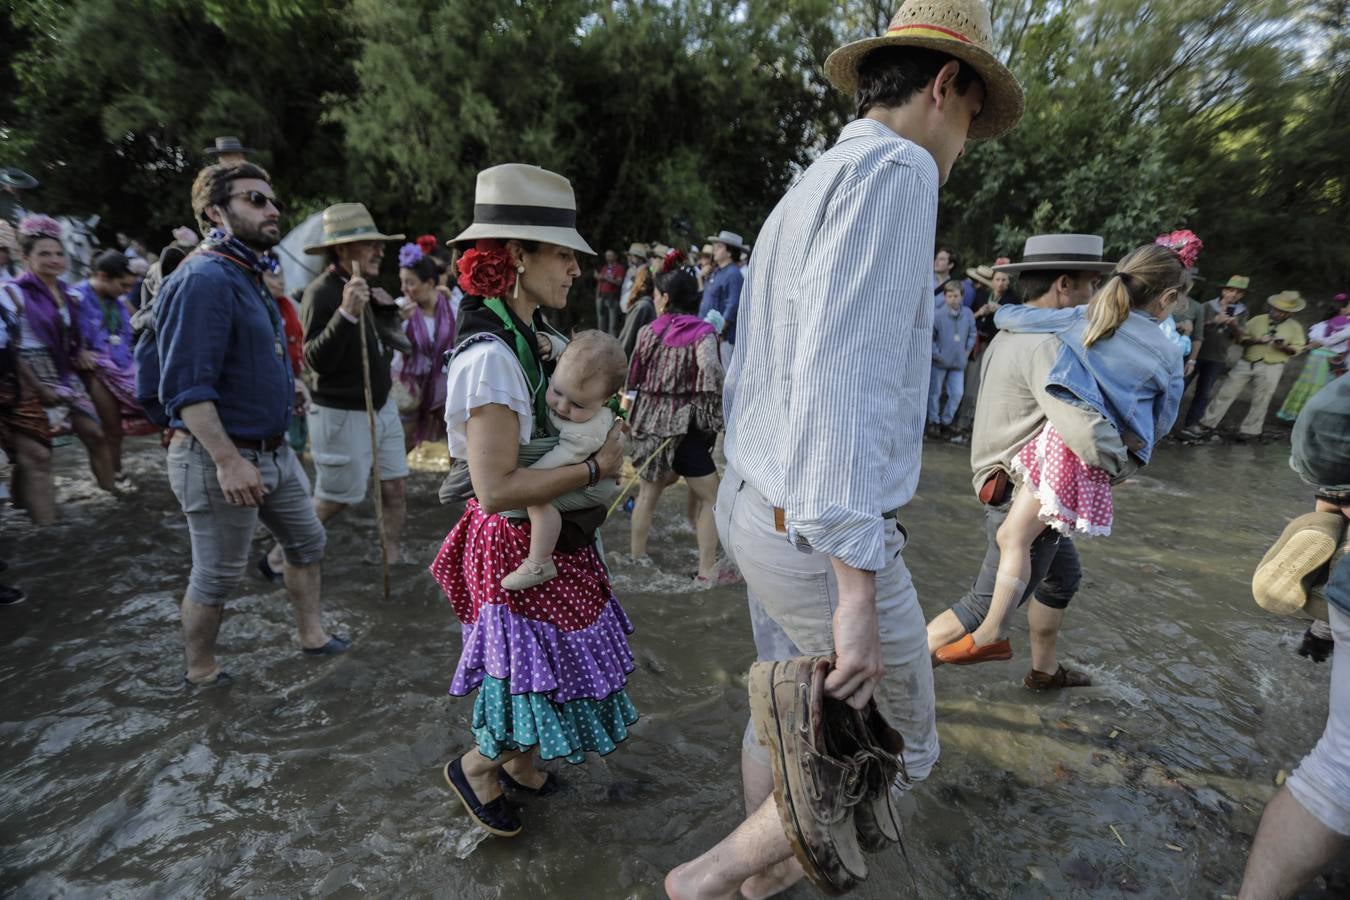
39 225
1184 243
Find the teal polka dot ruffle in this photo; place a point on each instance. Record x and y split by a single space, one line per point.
506 721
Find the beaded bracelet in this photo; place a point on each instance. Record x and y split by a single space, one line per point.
593 468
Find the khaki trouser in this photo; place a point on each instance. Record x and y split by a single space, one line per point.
793 595
1263 377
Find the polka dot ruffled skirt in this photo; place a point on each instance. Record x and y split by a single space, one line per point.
1075 498
550 663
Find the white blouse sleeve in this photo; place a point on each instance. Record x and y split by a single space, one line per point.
486 372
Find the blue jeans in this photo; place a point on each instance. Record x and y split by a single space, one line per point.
954 380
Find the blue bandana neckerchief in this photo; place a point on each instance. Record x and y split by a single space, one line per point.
218 241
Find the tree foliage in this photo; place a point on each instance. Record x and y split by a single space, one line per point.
676 118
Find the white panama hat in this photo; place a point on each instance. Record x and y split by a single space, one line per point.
527 203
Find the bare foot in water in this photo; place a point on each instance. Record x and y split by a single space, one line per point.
773 880
682 884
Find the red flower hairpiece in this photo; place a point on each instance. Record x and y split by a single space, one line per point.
672 261
1185 244
487 270
427 243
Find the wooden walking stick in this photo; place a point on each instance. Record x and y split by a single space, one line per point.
374 443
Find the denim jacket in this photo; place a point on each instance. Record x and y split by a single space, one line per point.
1134 377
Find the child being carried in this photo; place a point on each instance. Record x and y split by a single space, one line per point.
589 371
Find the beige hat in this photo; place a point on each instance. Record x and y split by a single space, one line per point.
1061 252
1287 301
706 251
981 275
959 28
526 203
348 223
658 250
638 249
730 238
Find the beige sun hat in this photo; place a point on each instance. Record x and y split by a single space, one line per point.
1061 252
347 223
1287 301
638 249
526 203
959 28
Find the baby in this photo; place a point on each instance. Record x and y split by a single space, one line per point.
589 371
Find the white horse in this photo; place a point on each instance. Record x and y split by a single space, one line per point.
298 267
81 244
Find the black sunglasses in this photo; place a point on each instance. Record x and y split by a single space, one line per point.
259 200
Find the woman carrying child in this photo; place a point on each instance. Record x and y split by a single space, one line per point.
1115 360
550 663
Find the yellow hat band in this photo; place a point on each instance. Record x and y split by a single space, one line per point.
929 31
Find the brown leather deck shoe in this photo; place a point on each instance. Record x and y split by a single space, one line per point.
866 735
815 790
1063 678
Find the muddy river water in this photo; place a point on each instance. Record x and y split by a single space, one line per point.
322 778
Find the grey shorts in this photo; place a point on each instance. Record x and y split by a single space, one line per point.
222 533
793 595
1055 571
340 444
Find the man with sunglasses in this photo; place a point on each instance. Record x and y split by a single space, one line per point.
226 386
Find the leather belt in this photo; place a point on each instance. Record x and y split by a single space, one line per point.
780 518
260 445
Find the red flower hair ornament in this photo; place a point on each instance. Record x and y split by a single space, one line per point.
427 243
487 270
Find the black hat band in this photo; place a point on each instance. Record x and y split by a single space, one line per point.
510 214
1062 257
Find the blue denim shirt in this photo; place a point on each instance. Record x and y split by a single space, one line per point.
1134 377
953 337
222 340
723 293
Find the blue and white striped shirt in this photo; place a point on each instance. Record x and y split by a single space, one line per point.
826 393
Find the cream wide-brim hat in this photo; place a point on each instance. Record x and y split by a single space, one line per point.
348 223
524 203
959 28
1287 301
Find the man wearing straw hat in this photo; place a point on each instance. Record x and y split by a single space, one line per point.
1271 340
331 313
825 402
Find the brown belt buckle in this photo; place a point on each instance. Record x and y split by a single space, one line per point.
779 520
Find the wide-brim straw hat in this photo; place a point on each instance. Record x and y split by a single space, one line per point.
1237 283
1287 301
730 238
982 275
348 223
959 28
1062 252
524 203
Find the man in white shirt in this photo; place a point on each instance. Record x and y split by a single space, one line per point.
826 396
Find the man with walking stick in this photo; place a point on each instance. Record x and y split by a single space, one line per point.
219 362
338 327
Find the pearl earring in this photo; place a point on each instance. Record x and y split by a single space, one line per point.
520 270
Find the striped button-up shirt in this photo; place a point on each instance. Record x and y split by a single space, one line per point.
826 393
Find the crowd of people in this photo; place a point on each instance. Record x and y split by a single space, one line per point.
821 366
1226 350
